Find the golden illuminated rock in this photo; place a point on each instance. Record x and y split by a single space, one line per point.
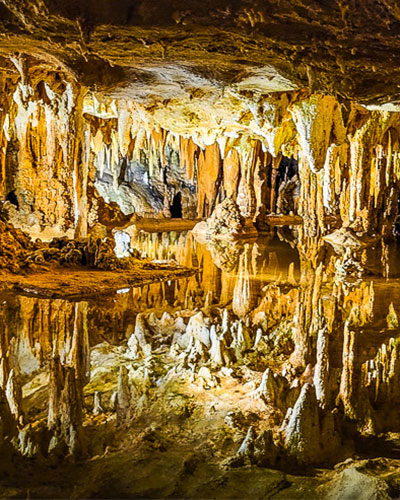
198 267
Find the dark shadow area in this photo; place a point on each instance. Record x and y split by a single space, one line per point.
176 207
12 198
287 169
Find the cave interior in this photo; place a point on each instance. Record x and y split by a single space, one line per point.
199 255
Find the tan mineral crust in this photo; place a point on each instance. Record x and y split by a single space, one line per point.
199 262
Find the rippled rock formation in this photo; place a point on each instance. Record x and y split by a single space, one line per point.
140 379
276 354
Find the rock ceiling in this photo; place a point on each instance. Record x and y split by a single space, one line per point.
239 82
152 49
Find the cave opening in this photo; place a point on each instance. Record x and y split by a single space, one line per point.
287 186
12 198
176 206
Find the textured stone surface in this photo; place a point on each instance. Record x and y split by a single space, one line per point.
347 47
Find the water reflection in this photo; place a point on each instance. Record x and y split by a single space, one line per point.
320 352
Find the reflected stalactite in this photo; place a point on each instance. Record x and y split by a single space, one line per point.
67 380
79 354
243 293
320 354
65 410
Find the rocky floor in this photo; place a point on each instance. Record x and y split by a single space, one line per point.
178 441
265 380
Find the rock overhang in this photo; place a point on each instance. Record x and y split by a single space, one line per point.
346 48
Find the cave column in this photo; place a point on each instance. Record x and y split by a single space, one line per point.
81 153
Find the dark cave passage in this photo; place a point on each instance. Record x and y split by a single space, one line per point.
12 198
176 207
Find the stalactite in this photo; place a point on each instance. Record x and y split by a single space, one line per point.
348 169
231 173
208 172
315 118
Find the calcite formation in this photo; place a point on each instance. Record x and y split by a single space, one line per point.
347 167
249 351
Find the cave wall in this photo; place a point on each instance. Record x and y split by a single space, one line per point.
43 139
65 150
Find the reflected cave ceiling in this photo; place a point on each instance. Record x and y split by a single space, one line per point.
153 50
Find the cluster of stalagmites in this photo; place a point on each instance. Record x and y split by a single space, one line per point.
308 412
208 347
307 435
203 347
18 252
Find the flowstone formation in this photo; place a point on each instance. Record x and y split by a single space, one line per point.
199 213
225 222
190 379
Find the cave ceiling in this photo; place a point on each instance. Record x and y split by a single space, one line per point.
152 50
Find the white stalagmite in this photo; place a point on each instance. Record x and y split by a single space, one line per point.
225 321
198 328
259 334
216 348
302 434
247 446
97 408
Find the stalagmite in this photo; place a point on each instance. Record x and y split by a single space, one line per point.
322 368
225 321
25 443
216 348
124 397
97 408
139 338
241 340
198 329
259 334
302 434
247 446
273 388
265 451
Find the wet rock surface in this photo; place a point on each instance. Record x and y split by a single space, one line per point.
170 393
242 367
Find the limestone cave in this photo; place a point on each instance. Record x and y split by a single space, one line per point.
200 249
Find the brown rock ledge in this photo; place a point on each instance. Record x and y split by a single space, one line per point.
78 283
